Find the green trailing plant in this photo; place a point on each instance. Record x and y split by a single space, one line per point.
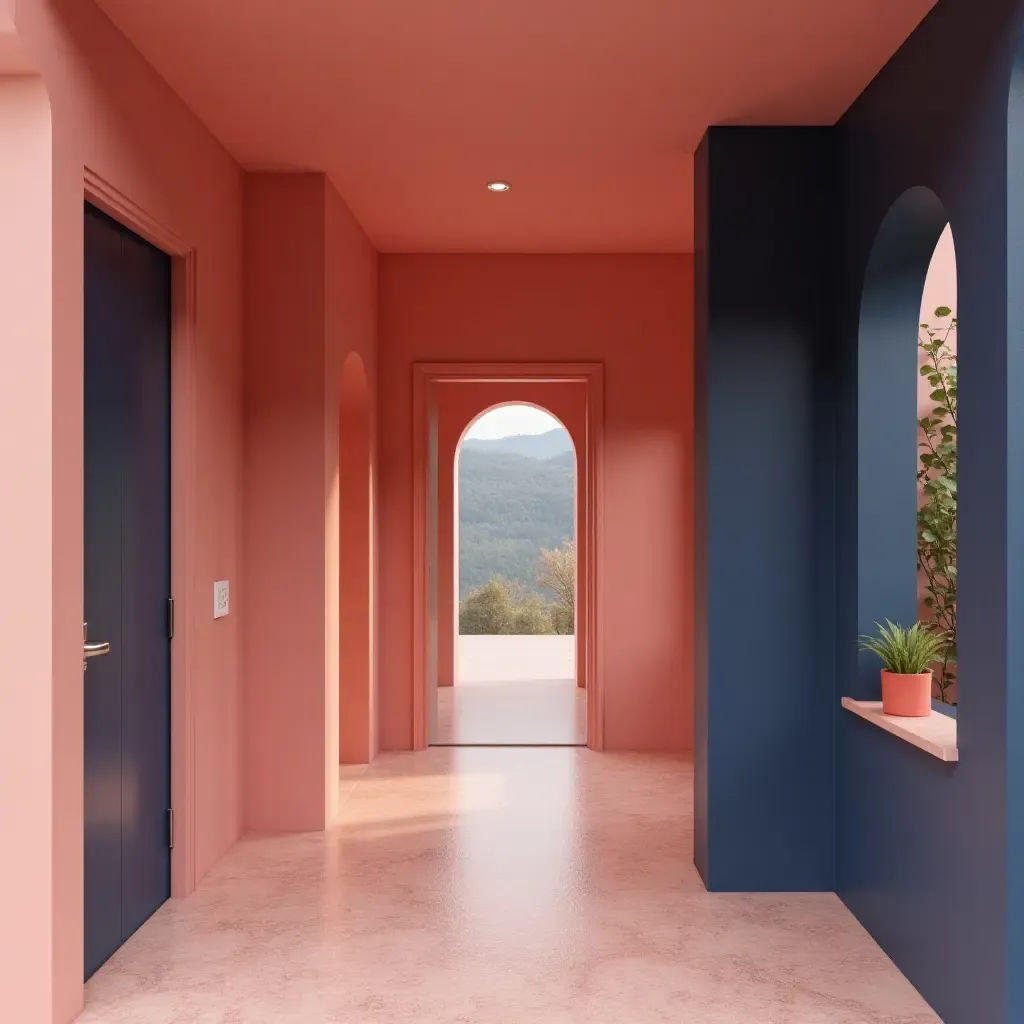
904 651
937 478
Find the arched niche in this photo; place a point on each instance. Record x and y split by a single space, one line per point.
887 405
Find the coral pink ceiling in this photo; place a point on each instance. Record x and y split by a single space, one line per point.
591 108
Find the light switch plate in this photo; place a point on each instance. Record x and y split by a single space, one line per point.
221 591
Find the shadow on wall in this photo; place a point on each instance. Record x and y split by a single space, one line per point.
357 704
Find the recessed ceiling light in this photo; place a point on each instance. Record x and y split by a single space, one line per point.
498 186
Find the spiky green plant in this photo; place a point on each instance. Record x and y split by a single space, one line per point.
905 651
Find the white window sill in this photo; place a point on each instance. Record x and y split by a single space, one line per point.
934 734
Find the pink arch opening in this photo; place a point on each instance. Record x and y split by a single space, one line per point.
449 568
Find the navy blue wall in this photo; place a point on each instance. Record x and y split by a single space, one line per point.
1015 539
764 745
804 517
922 847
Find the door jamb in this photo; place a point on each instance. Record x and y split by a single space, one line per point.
592 375
111 201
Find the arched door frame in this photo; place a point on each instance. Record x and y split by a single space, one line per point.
589 455
459 406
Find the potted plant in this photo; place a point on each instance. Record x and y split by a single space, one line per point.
906 656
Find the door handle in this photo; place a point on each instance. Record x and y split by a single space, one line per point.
92 649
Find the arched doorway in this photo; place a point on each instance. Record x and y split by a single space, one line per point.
514 520
446 399
356 684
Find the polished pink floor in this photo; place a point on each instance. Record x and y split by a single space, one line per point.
523 711
497 886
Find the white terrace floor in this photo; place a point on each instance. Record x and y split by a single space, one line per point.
513 690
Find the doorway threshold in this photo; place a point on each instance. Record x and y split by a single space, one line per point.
581 746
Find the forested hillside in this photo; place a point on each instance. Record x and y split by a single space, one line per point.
511 506
536 446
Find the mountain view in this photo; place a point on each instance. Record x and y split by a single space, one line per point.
516 498
534 446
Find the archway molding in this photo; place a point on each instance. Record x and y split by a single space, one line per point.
448 398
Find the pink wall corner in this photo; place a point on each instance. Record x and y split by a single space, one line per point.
353 675
351 425
311 303
111 113
14 59
34 678
458 404
634 314
286 509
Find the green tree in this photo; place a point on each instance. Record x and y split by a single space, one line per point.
556 571
488 610
563 621
531 617
502 608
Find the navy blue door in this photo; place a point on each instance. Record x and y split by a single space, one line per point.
127 583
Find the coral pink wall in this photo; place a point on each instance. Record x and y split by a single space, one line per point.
458 404
29 687
111 113
634 314
286 493
357 718
310 297
939 290
351 421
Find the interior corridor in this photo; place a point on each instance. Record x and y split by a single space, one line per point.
493 886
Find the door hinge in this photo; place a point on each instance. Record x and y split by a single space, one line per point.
170 828
170 618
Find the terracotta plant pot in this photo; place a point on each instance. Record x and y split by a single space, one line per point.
907 696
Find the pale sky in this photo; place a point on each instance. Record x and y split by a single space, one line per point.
513 419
